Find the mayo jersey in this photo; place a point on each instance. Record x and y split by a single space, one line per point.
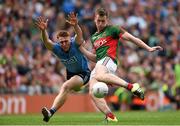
106 42
74 60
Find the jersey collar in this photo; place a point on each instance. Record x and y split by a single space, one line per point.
102 30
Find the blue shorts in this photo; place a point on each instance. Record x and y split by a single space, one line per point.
84 75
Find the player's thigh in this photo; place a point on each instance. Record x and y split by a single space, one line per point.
74 83
100 69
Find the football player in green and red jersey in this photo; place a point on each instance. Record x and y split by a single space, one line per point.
105 42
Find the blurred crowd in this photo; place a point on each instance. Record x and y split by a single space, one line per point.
26 66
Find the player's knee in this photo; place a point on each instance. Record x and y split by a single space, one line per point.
65 87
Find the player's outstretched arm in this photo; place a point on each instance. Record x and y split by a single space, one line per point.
73 20
91 56
41 23
139 42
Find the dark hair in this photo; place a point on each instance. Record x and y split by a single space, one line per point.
63 33
101 12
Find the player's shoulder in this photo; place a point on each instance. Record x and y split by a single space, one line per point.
117 28
113 27
56 44
93 35
56 47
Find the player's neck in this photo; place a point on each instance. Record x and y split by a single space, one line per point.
101 29
66 50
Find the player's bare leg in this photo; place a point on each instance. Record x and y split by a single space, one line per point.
101 103
102 74
73 83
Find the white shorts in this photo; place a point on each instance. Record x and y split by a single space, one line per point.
108 62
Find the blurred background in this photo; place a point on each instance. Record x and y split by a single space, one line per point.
29 70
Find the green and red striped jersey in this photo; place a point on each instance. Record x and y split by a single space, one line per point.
106 42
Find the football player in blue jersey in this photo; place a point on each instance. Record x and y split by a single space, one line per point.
67 50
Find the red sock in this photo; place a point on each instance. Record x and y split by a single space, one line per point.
110 115
129 86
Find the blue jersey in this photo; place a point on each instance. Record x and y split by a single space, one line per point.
73 60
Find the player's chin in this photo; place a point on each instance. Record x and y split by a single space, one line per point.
101 27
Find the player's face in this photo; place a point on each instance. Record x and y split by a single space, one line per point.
64 42
101 22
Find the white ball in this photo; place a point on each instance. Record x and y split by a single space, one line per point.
100 89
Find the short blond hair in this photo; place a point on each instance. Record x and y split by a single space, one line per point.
63 33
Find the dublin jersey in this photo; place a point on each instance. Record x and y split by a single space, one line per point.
74 60
106 42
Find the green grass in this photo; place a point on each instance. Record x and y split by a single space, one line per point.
125 118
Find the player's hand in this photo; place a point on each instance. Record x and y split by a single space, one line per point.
72 19
152 49
41 23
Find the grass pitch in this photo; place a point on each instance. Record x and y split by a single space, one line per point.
125 118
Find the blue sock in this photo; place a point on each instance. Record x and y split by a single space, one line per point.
52 111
